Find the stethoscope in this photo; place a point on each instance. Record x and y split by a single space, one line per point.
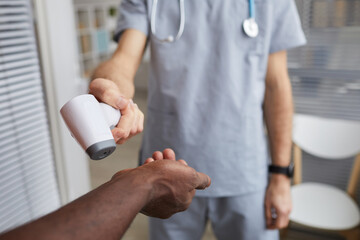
250 26
170 38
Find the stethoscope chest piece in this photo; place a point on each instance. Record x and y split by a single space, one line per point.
250 27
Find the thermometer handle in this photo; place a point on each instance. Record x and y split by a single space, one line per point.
112 115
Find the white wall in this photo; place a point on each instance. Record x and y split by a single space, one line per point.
58 50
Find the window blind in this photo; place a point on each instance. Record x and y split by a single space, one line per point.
28 186
325 75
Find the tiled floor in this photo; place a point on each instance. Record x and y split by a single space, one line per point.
126 156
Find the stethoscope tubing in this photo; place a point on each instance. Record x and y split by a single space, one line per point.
251 9
180 32
170 38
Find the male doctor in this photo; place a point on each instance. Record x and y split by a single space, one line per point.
209 93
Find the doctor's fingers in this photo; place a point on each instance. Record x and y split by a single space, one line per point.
282 220
108 92
269 219
284 223
276 219
279 223
122 130
282 213
138 125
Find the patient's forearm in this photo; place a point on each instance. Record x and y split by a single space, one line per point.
104 213
159 188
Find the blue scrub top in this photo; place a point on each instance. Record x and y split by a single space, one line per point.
206 90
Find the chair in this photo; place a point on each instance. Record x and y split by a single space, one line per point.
317 205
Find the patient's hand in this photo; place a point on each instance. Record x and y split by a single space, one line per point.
167 154
175 190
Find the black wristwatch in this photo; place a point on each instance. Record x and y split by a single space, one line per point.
287 171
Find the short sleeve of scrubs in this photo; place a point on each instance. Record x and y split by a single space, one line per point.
286 29
132 15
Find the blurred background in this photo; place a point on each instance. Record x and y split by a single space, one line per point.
48 50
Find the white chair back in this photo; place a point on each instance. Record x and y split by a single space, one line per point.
327 138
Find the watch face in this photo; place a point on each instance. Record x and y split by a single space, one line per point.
291 170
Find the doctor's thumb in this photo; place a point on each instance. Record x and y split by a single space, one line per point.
108 92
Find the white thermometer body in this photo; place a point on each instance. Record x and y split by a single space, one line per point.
89 123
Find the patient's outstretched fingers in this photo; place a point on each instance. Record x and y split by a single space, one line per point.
204 181
183 162
149 160
158 155
169 154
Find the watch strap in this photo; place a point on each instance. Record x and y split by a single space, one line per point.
288 171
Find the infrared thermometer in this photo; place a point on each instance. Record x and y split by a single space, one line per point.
90 123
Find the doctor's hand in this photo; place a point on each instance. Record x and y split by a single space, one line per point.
278 203
132 119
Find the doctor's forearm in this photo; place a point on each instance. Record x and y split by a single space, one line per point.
122 66
111 70
278 109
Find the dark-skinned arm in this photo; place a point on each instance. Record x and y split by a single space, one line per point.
106 212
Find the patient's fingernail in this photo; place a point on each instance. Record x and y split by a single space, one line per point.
121 102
